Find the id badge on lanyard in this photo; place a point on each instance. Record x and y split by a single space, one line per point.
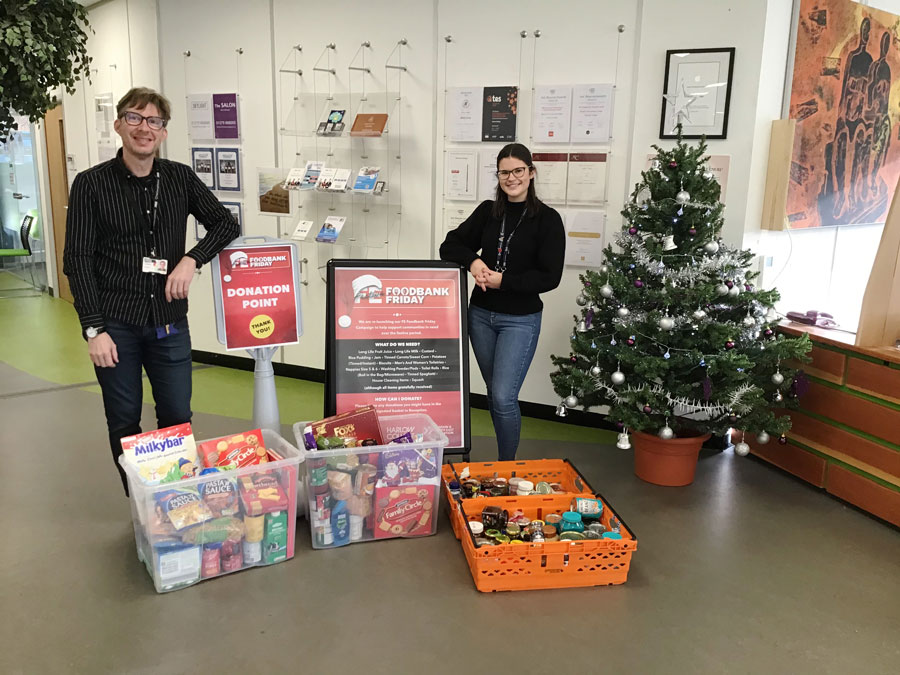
155 265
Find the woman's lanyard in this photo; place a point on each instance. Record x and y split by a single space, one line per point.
503 246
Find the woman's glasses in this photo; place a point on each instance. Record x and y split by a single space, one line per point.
518 172
134 119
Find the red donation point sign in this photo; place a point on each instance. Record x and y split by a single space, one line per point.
258 296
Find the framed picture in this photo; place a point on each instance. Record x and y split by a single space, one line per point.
697 92
237 211
202 161
228 169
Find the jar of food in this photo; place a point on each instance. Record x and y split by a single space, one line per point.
470 488
502 485
514 484
550 533
543 488
525 488
513 530
571 522
455 489
476 528
611 535
494 517
553 519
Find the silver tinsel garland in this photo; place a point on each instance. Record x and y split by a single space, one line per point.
727 260
682 406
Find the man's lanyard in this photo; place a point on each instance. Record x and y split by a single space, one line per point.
503 246
136 206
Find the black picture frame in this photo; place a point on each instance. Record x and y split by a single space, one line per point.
680 60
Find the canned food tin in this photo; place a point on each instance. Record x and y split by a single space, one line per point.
587 507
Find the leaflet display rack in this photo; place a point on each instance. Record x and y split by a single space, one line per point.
311 106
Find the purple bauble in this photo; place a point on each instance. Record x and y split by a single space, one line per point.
692 231
632 230
782 439
648 409
729 283
732 418
638 283
673 164
573 359
630 342
620 425
587 283
748 287
769 332
729 344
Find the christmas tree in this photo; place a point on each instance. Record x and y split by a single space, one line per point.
673 336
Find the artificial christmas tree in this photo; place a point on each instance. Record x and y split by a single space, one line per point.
672 335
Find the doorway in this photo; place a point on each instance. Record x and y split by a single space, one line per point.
55 138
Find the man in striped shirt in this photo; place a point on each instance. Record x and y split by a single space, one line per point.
129 273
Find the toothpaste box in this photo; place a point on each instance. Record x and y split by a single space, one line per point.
164 455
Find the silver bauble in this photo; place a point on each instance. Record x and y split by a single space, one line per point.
623 443
571 401
711 247
655 164
734 291
708 175
721 289
683 197
622 312
777 379
666 433
581 300
596 371
779 397
606 291
699 314
604 269
762 438
618 377
667 323
742 449
749 321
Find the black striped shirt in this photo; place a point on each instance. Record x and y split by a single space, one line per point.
110 229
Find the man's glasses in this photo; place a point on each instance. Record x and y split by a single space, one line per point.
518 172
134 119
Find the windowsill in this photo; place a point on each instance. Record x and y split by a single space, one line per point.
841 340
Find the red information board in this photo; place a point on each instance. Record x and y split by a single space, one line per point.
397 339
258 295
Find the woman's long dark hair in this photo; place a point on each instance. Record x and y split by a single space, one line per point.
532 203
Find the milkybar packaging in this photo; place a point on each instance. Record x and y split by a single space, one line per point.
162 456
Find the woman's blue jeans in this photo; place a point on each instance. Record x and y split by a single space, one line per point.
504 345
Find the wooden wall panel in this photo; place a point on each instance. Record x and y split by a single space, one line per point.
792 459
875 379
854 411
868 495
827 438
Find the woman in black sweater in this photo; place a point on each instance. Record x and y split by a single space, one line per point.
514 248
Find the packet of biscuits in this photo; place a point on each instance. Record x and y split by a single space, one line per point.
234 452
261 493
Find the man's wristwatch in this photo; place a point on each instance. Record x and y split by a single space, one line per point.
91 332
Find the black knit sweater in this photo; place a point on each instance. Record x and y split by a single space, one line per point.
534 262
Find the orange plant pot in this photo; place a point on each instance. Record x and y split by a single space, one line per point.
671 463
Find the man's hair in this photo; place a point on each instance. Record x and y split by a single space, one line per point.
140 97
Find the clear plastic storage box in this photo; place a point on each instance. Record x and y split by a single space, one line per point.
245 518
378 491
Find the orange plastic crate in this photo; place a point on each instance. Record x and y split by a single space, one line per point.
560 471
564 564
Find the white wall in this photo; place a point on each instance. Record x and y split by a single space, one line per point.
578 45
488 50
123 46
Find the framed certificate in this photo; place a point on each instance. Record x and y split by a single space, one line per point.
228 169
697 93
